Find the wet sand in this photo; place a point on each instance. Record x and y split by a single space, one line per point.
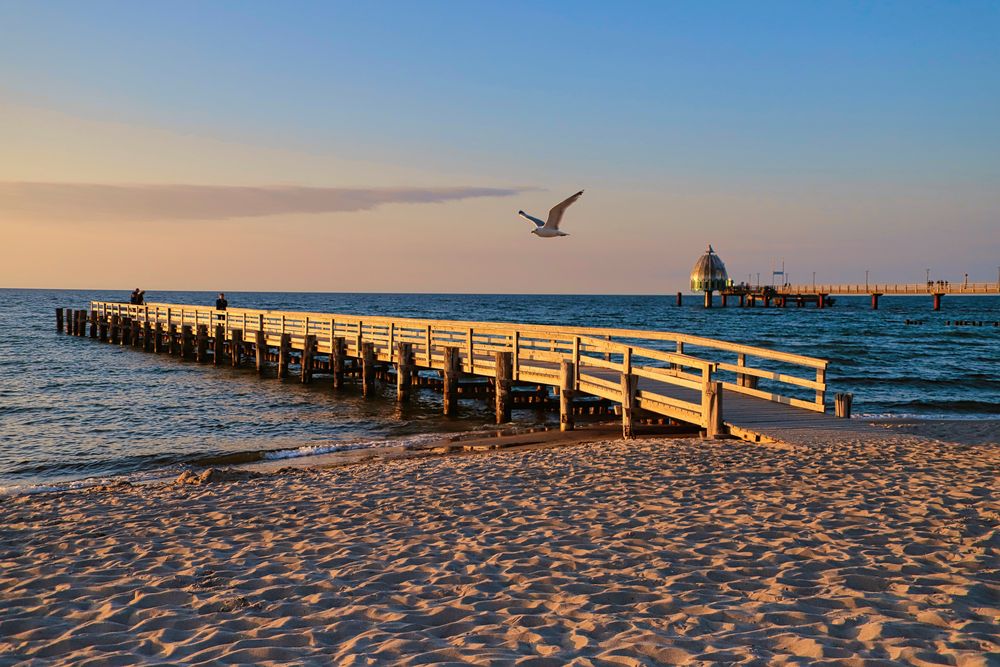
658 551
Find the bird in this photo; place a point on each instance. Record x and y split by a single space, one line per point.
550 228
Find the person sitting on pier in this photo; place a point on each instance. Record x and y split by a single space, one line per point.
137 297
221 303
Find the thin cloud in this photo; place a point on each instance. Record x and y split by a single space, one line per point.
81 202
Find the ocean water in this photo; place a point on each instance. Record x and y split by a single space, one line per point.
73 410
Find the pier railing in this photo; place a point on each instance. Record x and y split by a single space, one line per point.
933 287
672 374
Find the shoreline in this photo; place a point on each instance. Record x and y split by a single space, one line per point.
658 550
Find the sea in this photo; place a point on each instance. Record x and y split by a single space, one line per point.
74 412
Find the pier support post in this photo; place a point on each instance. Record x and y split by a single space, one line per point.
821 301
799 301
126 332
93 324
201 344
567 382
260 350
842 405
236 347
679 298
172 339
158 337
767 300
306 360
504 382
147 337
630 384
711 407
743 300
708 298
875 296
337 358
186 341
69 320
102 331
115 329
404 371
450 373
367 369
724 299
134 333
937 301
59 320
218 344
284 350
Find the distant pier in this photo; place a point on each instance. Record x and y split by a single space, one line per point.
718 387
818 295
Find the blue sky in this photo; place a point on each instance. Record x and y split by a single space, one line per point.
797 102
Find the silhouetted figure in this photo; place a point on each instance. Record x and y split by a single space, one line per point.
221 303
137 297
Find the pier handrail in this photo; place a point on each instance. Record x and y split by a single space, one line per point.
537 349
931 287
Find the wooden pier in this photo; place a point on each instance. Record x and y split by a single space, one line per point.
817 295
722 388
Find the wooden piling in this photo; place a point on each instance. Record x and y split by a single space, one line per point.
158 337
172 348
147 337
630 384
450 375
284 350
126 332
504 382
59 320
102 330
134 333
93 324
201 344
186 342
115 329
218 344
367 369
711 406
404 371
875 296
680 296
236 347
708 298
306 365
842 405
69 320
567 381
937 301
337 358
260 350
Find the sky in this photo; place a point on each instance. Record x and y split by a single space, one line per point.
387 147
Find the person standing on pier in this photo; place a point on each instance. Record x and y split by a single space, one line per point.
221 303
137 297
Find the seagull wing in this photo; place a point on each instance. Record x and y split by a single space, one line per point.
531 218
556 213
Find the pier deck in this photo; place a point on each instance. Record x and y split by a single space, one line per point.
721 387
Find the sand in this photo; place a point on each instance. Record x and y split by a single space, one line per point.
659 551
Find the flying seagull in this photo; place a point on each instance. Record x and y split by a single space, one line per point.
550 227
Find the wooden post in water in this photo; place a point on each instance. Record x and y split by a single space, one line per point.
404 371
504 382
337 356
937 301
186 347
711 407
367 369
218 344
842 405
875 296
69 320
450 374
236 347
93 323
134 335
172 339
306 367
679 298
201 344
708 298
260 350
567 380
115 328
147 337
158 337
284 349
59 320
126 331
102 330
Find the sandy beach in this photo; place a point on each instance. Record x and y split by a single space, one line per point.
657 551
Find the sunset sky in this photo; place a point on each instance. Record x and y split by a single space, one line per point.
388 146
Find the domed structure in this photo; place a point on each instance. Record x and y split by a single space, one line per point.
709 273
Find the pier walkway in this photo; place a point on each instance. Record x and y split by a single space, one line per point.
721 387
